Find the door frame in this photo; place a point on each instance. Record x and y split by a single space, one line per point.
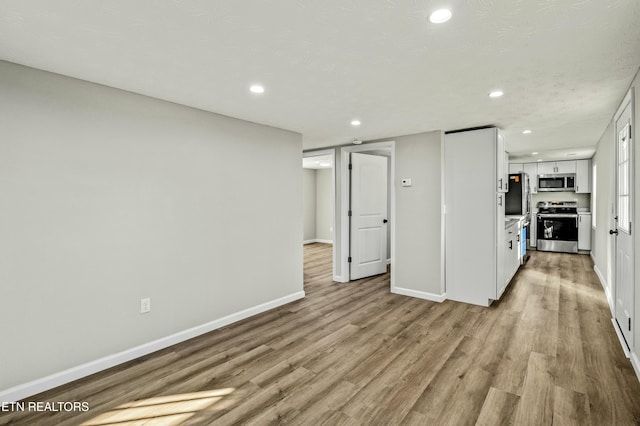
332 153
627 101
390 147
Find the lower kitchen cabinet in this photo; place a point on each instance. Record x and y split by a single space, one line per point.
584 231
511 250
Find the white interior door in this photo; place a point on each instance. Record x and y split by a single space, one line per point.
368 224
624 268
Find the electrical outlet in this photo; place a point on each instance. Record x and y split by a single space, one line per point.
145 305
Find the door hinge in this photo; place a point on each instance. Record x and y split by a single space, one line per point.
629 323
349 259
350 166
349 213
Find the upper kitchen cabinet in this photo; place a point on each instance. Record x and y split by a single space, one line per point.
564 167
516 168
556 167
474 215
583 176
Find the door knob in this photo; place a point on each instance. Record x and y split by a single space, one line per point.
613 231
384 221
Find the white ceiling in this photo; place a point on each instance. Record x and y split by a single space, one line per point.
564 65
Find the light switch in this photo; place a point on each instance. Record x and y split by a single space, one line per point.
406 182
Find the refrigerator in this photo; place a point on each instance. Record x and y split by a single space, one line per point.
518 203
518 199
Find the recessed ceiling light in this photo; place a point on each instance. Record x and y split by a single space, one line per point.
496 94
256 88
526 132
355 122
534 153
440 16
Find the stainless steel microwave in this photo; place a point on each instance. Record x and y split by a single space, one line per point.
557 183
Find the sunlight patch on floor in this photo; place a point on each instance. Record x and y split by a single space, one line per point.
166 410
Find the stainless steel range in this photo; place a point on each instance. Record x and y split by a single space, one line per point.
557 226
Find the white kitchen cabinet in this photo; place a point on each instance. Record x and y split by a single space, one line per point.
516 168
511 256
556 167
532 170
546 167
583 176
474 216
564 167
502 165
584 231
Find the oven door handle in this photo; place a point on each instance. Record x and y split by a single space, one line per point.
558 216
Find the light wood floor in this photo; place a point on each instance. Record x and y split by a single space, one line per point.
354 354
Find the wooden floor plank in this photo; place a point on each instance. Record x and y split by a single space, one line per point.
353 353
498 408
536 403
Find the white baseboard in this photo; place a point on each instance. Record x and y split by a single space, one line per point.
388 262
317 240
620 338
340 279
49 382
636 364
605 286
420 294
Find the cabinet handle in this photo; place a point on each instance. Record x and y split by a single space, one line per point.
500 202
500 184
511 245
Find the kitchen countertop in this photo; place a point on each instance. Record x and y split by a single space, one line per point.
513 219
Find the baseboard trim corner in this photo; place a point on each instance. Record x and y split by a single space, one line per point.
635 362
317 240
419 294
605 287
37 386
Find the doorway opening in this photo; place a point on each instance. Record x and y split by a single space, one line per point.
367 237
622 232
318 208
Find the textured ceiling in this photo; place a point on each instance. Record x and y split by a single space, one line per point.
564 65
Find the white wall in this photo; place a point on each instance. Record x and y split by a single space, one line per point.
418 250
108 197
309 204
324 205
584 200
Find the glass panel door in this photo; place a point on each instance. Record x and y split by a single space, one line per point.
624 177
